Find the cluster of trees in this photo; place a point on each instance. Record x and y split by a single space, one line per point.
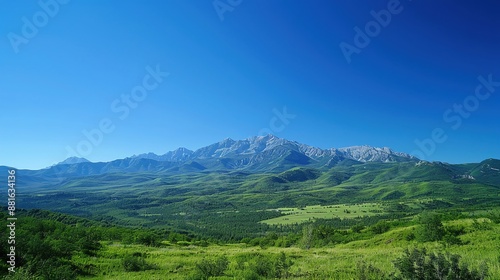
226 225
46 243
431 228
44 249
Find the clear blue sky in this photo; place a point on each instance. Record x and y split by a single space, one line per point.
227 76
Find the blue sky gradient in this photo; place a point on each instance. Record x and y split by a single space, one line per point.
227 78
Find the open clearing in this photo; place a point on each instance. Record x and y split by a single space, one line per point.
308 213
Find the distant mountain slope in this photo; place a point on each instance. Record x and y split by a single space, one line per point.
180 154
73 160
97 168
488 171
367 153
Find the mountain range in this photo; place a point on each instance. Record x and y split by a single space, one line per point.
259 155
273 147
256 154
184 188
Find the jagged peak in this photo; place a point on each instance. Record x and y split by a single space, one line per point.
263 137
182 149
73 160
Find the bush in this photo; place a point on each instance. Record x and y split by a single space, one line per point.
148 238
452 240
248 274
282 265
455 230
210 268
89 244
420 264
478 225
283 241
272 267
263 266
409 236
357 228
44 271
431 228
136 263
256 241
307 237
380 227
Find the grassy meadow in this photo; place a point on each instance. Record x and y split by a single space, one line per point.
341 261
309 213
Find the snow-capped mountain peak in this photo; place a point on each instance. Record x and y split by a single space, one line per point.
270 148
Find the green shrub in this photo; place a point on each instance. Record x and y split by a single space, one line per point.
263 266
248 274
431 228
283 242
478 225
148 238
136 263
452 240
271 266
455 230
256 241
409 236
42 270
210 268
380 227
420 264
307 237
282 266
89 244
357 228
